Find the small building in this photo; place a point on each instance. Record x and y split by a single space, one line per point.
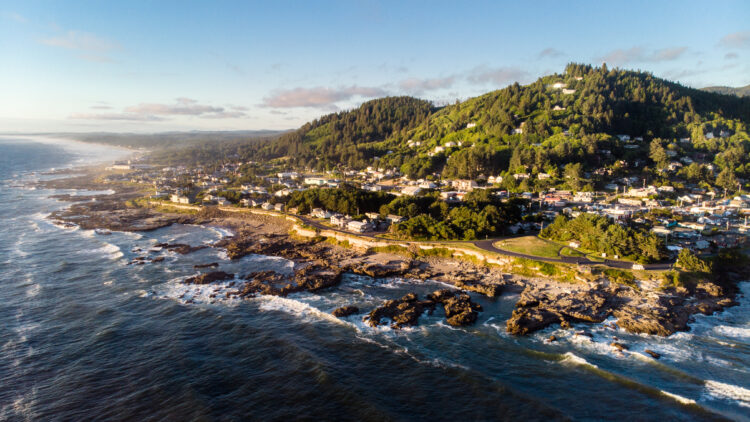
358 226
411 190
279 207
320 213
179 199
267 206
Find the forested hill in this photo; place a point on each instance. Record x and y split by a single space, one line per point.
349 138
572 117
743 91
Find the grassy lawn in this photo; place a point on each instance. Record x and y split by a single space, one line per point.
567 251
530 245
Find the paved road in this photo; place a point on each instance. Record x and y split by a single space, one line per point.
488 245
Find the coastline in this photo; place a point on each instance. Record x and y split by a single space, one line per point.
592 297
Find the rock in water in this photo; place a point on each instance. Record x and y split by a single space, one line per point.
211 265
209 277
345 311
619 346
652 353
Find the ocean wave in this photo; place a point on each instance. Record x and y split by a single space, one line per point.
298 308
734 393
33 290
683 400
572 358
734 332
109 250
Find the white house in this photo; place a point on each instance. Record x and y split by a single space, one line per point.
470 125
180 199
320 213
267 206
315 181
411 190
340 220
358 226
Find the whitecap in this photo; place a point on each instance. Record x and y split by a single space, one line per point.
735 332
572 358
297 308
720 390
681 399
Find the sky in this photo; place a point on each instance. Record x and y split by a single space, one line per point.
154 66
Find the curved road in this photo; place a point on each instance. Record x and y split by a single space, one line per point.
488 245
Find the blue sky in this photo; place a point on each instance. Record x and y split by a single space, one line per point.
150 66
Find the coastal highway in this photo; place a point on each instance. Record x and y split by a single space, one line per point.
488 245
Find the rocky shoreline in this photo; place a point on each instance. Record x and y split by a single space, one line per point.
645 308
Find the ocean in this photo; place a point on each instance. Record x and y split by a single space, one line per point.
85 336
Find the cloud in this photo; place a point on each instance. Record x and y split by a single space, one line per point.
418 86
731 56
116 116
550 52
158 112
183 107
736 40
15 17
640 55
90 47
667 54
321 97
497 76
77 40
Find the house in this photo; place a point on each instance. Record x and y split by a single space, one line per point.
464 185
372 215
517 131
521 176
245 202
558 108
223 201
358 226
315 181
267 206
624 138
411 190
320 213
340 220
559 85
180 199
279 207
568 91
709 135
470 125
629 201
293 210
495 179
394 219
574 244
543 176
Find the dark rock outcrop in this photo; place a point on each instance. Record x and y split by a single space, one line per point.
345 311
208 278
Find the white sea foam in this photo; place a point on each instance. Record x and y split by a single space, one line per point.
683 400
109 250
735 332
297 308
720 390
572 358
